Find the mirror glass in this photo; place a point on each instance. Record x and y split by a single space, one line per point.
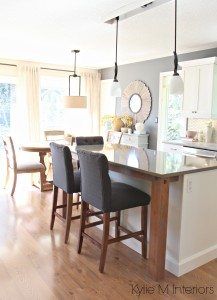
135 103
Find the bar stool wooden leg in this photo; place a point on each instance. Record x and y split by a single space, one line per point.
77 200
144 223
84 208
64 202
68 216
104 246
55 195
117 224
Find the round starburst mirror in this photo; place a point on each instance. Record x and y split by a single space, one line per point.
136 101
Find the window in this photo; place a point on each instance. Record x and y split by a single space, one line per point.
173 124
52 90
7 102
176 124
53 115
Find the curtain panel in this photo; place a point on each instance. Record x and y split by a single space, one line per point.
91 84
28 103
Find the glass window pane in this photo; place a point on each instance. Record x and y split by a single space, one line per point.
52 91
7 101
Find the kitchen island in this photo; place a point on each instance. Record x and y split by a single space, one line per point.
182 187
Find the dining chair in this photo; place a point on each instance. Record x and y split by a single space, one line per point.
68 181
16 167
89 140
108 197
58 135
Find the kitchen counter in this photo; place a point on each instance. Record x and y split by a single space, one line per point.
198 145
191 232
156 163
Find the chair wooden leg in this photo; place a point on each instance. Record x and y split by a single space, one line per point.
84 208
117 224
144 223
6 178
68 216
14 183
104 246
55 196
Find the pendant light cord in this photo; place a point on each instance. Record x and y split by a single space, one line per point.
116 51
174 52
75 65
175 25
74 73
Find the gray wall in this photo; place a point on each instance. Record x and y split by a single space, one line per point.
149 72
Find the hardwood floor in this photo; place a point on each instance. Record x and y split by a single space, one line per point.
35 263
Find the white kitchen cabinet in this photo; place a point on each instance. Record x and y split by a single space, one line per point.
200 88
191 83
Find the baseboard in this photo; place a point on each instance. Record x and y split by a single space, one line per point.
197 260
173 266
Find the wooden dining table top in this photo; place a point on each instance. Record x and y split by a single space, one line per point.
41 146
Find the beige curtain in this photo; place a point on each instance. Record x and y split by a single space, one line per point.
91 84
27 120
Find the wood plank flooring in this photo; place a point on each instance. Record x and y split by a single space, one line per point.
36 264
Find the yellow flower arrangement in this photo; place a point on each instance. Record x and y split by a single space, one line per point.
128 121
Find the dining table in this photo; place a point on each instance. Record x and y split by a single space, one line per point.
42 149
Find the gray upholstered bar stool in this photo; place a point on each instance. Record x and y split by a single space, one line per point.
89 140
98 191
66 179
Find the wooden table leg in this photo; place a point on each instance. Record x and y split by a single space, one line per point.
44 184
158 228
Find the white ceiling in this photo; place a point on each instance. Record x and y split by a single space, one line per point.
47 30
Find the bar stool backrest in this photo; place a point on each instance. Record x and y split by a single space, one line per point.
95 180
63 173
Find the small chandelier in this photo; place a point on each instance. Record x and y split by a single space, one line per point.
75 101
116 88
176 83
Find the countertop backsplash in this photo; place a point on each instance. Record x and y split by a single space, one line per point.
201 124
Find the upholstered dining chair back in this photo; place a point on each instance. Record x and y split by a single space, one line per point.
54 135
95 180
10 152
89 140
63 175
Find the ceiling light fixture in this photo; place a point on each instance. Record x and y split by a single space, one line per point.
75 101
132 9
116 88
176 83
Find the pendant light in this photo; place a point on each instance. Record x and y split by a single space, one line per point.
75 101
116 88
176 83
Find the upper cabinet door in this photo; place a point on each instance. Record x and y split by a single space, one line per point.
205 95
191 90
200 90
